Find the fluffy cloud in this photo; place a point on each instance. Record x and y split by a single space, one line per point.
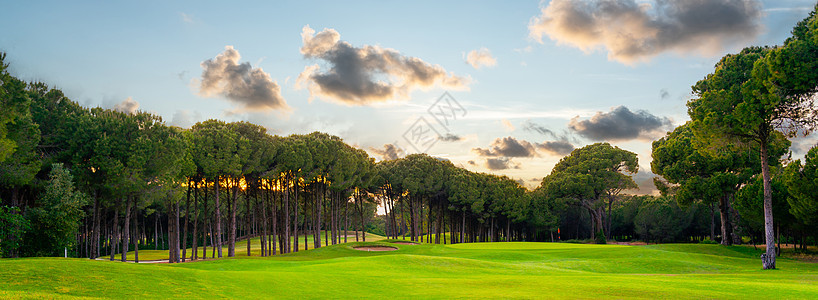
389 152
367 74
802 144
185 118
556 147
481 58
249 87
644 182
561 146
633 31
499 155
507 147
128 106
621 124
500 163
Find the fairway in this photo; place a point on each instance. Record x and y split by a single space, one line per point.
241 249
480 270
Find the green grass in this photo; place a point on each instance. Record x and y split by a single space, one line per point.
241 248
481 270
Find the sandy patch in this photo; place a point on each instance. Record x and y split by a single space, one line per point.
628 243
375 248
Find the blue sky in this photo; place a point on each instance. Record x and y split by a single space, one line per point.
548 75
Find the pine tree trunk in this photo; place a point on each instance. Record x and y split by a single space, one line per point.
712 222
265 200
114 233
126 229
156 231
463 226
136 232
412 219
211 235
274 212
439 224
187 218
218 218
206 223
195 254
324 218
295 216
247 218
286 217
85 238
171 228
726 228
332 216
734 223
231 208
363 224
608 219
97 220
346 218
452 228
176 231
354 210
768 258
316 218
508 230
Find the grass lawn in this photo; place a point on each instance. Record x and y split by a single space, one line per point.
241 248
480 270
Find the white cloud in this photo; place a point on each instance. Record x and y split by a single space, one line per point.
481 58
367 74
634 31
128 106
249 87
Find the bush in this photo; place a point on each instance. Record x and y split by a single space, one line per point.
600 238
12 227
576 241
708 241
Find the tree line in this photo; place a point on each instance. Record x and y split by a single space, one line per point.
84 179
102 182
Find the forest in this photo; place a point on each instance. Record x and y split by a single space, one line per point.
94 182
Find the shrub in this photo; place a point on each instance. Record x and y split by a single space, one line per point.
600 238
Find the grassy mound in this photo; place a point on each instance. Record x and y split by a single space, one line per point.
512 270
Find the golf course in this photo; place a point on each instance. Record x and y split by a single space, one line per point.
474 270
552 149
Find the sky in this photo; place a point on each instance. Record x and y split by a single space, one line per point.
504 87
